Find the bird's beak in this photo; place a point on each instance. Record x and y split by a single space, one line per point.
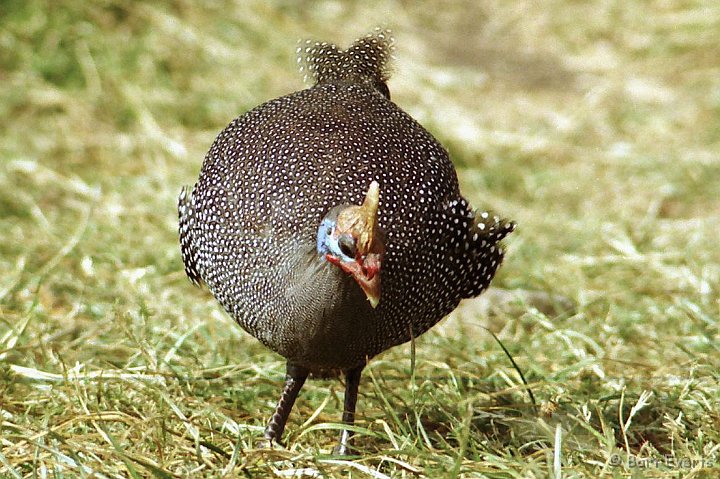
362 223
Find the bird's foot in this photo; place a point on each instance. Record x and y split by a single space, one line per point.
269 443
343 448
264 443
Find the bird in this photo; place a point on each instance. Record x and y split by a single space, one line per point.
329 224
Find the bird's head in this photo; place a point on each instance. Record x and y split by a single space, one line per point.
349 238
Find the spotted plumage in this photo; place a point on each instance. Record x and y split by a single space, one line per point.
249 227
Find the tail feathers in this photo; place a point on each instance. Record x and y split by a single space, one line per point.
365 61
186 216
475 251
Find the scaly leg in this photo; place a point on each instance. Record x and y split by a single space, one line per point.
352 383
294 379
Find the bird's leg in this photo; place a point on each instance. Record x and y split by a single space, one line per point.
352 382
295 377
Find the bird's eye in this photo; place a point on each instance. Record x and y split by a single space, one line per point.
347 245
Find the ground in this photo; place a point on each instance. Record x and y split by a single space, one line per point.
594 125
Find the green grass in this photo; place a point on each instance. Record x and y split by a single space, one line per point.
595 125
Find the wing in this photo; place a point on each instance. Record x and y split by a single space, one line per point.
473 245
186 227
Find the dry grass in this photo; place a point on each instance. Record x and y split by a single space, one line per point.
596 125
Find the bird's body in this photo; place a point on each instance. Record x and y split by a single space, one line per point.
251 227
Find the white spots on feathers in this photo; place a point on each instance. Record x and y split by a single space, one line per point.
366 59
273 174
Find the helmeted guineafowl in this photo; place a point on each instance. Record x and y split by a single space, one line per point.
329 223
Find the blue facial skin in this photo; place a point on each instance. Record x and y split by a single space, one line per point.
327 243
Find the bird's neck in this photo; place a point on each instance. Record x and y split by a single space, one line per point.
328 310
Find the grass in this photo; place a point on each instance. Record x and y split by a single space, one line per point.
595 125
